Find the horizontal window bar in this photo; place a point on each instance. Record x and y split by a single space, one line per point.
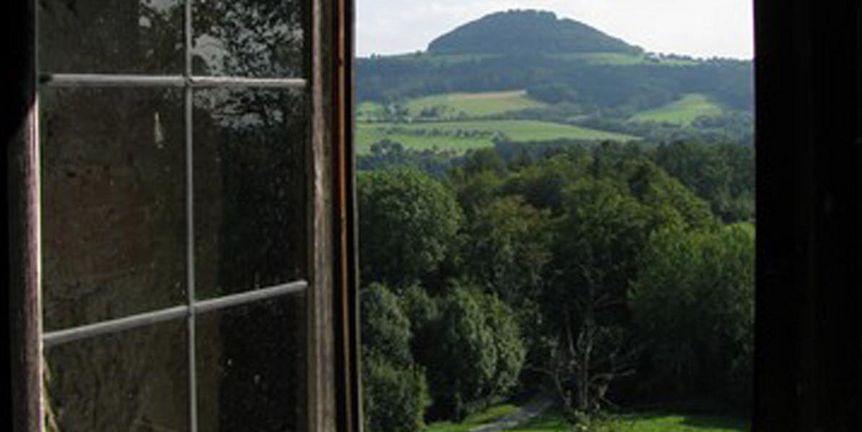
209 81
103 80
249 297
98 80
149 318
113 326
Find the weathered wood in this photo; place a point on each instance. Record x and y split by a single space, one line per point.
20 132
349 397
321 344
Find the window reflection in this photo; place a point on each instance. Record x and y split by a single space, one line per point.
120 36
250 189
256 38
113 203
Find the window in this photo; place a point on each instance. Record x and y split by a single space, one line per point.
189 216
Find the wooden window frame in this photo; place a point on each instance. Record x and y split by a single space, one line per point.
333 386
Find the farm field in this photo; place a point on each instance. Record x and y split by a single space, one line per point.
471 134
682 112
474 104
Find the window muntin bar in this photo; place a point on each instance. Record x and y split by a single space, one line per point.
101 80
145 319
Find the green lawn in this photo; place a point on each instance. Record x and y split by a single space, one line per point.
489 415
682 112
471 134
642 422
635 422
474 104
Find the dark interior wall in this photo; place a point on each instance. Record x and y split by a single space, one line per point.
808 198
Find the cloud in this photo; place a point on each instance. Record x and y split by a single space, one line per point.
703 28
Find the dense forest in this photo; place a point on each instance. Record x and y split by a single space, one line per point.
601 274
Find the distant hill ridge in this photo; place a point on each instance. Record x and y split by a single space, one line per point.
527 31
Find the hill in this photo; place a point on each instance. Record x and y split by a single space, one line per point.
555 60
530 31
535 67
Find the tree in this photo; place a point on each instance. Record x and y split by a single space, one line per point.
408 222
596 251
506 249
478 352
693 302
395 390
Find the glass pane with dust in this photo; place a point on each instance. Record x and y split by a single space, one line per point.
250 189
129 381
113 203
120 36
251 370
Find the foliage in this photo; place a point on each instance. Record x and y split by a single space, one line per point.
395 390
694 303
385 328
478 352
409 221
394 398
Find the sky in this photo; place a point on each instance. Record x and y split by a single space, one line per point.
699 28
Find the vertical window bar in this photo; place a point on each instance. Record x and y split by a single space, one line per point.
190 233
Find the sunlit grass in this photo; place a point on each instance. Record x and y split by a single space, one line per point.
474 104
489 415
471 134
682 112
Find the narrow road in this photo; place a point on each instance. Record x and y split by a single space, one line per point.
519 417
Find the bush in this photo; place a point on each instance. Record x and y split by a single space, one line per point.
479 353
395 398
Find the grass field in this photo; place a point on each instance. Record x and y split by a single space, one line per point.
474 104
682 112
489 415
637 422
471 134
642 422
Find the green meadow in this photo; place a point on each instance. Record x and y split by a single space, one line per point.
474 104
471 134
682 112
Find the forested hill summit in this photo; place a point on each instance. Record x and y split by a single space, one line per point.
518 32
533 65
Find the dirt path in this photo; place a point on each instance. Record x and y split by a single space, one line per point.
526 412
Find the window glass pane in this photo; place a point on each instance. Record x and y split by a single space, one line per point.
251 367
253 38
120 36
130 381
113 203
250 189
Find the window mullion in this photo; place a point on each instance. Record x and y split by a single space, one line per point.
190 232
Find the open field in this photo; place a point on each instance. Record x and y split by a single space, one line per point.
474 104
642 422
471 134
489 415
682 112
634 422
